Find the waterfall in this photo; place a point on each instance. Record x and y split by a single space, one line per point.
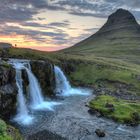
63 86
37 100
22 111
34 88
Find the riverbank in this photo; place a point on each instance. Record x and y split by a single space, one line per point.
71 120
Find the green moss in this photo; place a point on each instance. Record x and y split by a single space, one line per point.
124 111
8 132
3 131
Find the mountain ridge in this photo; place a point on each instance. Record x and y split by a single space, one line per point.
120 31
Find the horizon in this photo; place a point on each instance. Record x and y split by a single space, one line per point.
50 25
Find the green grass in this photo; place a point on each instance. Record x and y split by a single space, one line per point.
123 110
7 132
93 74
3 131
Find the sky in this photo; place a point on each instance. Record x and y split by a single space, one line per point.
50 25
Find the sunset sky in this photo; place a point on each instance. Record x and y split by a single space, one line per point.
55 24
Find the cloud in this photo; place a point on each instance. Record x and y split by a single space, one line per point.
23 13
59 24
24 10
36 35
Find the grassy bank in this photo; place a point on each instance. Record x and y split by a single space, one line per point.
8 132
119 110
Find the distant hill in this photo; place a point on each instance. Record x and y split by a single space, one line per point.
5 45
120 35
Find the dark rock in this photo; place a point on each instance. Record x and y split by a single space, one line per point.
44 71
100 133
8 91
110 107
25 81
94 112
136 116
91 111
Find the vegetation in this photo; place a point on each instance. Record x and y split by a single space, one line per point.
120 110
8 132
3 131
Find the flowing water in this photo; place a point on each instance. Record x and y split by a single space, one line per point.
71 120
63 87
22 110
37 101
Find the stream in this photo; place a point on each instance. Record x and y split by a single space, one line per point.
72 121
63 118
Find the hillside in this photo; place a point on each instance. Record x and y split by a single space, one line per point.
118 38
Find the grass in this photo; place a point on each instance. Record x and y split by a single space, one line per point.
7 132
3 131
92 74
124 111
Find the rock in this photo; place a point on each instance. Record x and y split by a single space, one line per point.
136 116
8 132
44 71
100 133
8 91
94 112
14 133
91 111
110 107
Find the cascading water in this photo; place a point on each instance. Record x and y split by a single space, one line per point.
37 100
34 88
63 86
22 115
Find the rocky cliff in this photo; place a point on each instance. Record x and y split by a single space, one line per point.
8 91
44 71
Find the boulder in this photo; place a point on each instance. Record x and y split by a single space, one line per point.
100 133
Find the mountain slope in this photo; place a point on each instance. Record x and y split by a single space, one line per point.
120 35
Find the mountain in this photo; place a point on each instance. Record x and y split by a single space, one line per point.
120 35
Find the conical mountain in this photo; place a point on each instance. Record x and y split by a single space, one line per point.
118 20
121 33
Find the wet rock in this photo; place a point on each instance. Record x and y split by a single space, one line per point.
91 111
94 112
44 71
8 91
100 133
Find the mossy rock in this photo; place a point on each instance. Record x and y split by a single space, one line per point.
124 111
8 132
